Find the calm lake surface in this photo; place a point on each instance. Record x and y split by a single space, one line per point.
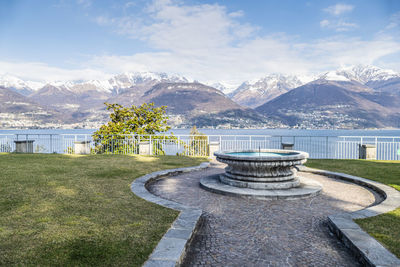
276 132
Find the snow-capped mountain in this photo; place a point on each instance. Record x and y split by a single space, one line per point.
18 85
119 82
365 78
348 82
333 76
83 95
381 80
363 74
366 73
226 88
115 83
257 92
127 80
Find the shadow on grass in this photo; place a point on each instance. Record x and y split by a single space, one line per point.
86 251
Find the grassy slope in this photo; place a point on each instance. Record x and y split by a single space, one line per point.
79 210
385 227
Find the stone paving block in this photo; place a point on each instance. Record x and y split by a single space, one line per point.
379 209
177 206
139 190
141 179
184 223
181 233
159 263
376 254
150 198
169 249
169 204
192 214
365 213
344 223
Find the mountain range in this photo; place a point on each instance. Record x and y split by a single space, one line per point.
353 97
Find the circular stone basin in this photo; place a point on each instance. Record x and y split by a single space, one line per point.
259 154
261 169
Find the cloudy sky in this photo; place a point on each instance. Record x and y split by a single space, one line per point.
210 41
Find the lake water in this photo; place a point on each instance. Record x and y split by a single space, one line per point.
275 132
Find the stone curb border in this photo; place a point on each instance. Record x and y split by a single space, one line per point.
369 251
172 246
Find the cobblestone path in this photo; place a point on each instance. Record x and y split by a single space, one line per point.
250 232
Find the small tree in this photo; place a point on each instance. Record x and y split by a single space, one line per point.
198 145
120 135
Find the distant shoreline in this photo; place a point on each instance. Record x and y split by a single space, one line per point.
208 131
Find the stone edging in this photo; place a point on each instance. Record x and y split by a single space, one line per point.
172 246
369 251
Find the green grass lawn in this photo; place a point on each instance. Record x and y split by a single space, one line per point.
385 227
64 210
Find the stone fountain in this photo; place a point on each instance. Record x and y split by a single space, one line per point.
263 173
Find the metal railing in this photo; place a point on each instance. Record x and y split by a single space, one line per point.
330 147
387 147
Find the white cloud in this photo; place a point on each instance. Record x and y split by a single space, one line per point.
232 64
339 9
40 72
207 43
394 21
332 52
324 23
130 4
256 58
104 21
236 14
338 25
343 26
180 27
84 3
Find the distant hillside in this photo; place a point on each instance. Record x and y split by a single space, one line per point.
77 97
201 105
15 107
132 95
326 104
189 98
391 86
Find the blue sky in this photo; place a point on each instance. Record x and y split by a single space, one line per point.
228 40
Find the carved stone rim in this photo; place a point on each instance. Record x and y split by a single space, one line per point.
291 155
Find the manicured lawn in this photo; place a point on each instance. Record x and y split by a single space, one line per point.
59 210
385 227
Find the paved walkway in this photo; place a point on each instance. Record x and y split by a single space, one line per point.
250 232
